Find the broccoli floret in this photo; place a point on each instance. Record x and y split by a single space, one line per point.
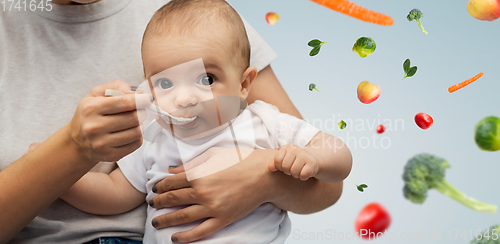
489 236
416 14
425 171
312 87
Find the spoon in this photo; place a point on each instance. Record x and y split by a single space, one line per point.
155 109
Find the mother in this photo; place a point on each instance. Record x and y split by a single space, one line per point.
48 60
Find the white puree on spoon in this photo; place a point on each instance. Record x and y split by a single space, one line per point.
157 110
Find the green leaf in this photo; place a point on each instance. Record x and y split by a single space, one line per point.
360 187
412 71
315 51
342 124
314 43
406 65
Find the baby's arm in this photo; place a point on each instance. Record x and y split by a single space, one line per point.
325 158
103 194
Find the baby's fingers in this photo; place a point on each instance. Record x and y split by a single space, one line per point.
287 162
271 167
306 172
278 159
297 167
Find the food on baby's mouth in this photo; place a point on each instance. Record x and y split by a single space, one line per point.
368 92
464 83
364 46
424 121
424 172
487 134
312 87
416 14
272 18
351 9
316 45
409 71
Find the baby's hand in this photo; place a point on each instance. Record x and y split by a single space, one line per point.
295 161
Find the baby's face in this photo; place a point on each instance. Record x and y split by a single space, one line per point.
187 75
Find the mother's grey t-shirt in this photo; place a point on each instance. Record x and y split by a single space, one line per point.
48 61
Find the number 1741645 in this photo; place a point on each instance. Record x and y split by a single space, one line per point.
25 5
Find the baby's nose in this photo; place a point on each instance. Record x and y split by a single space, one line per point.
185 98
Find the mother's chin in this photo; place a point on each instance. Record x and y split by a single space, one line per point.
74 1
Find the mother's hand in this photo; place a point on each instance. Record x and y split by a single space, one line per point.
108 128
222 197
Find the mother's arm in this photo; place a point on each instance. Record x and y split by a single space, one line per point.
103 129
297 196
266 87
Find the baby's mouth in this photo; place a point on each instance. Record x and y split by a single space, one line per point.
189 124
170 118
180 120
184 115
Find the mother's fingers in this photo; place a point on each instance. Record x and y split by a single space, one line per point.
116 153
176 169
172 182
124 103
181 216
184 196
125 137
205 229
118 85
121 121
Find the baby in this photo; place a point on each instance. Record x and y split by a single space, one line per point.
196 59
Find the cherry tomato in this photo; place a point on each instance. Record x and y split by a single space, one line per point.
424 121
372 219
380 129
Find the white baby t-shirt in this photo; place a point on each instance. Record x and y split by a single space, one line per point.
260 126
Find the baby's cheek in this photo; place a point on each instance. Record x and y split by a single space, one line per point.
165 104
206 94
228 89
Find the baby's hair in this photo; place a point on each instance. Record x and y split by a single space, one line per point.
188 17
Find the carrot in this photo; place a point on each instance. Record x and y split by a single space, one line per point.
356 11
464 83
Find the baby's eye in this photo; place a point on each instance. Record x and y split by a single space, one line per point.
164 83
206 80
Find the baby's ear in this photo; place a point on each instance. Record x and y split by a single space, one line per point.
246 81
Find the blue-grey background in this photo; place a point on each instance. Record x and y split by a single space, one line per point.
457 47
